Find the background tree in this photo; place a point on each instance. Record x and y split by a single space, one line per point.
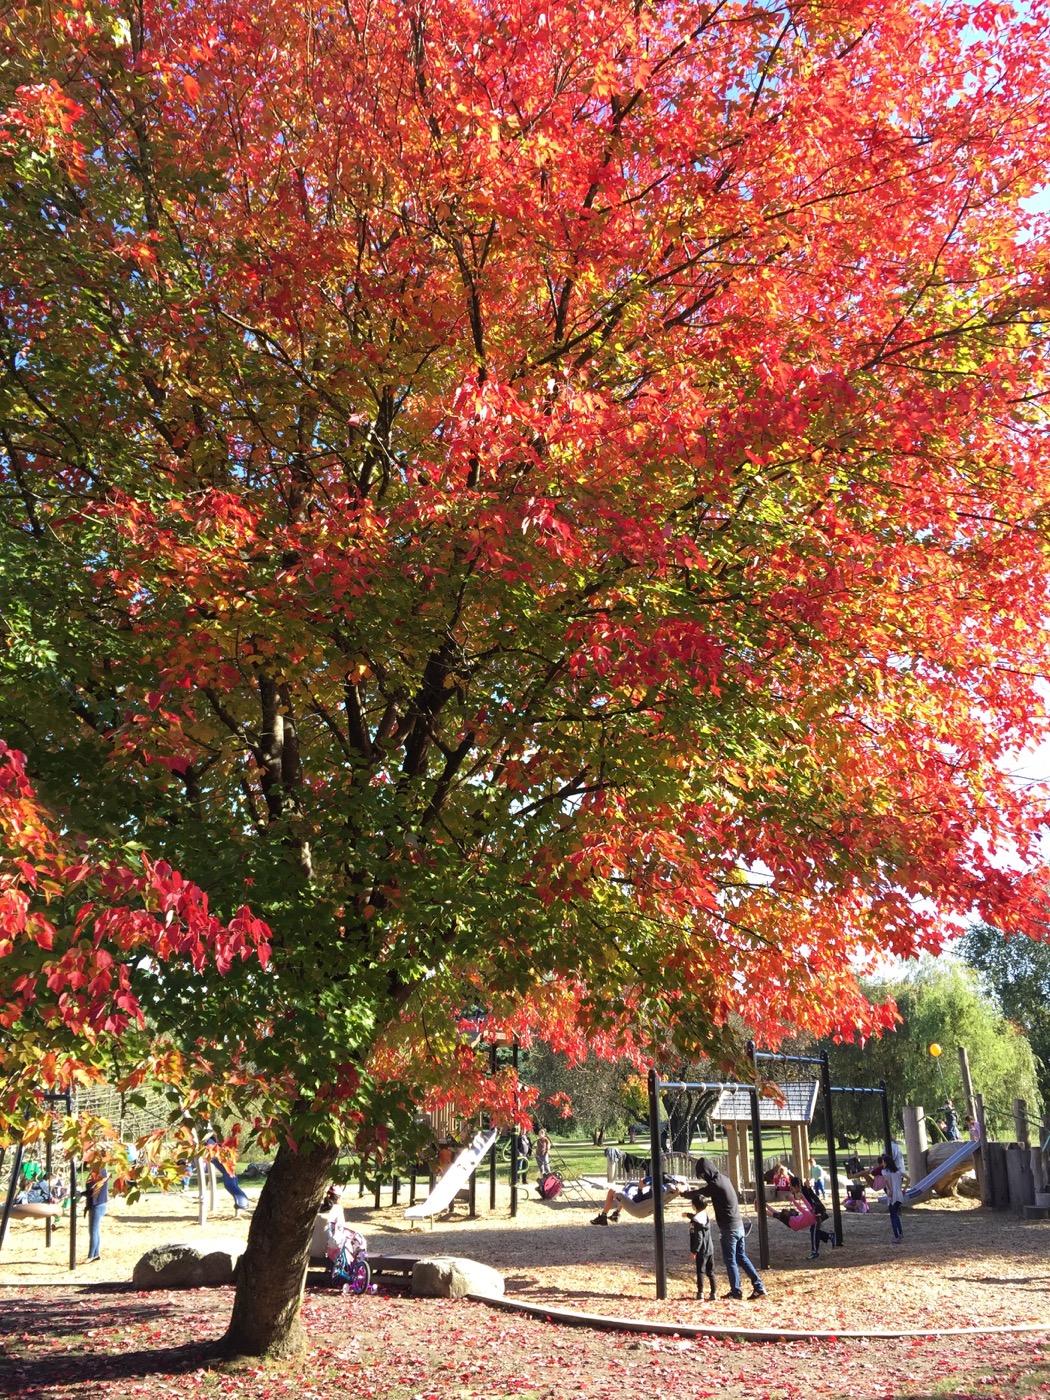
549 511
1016 971
939 1003
594 1088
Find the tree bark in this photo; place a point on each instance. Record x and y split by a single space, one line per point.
272 1272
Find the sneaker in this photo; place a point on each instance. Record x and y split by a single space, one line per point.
757 1292
733 1293
712 1296
601 1219
814 1254
615 1216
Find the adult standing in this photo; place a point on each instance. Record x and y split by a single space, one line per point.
543 1152
97 1196
951 1121
522 1153
720 1192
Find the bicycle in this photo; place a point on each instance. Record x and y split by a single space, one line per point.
351 1265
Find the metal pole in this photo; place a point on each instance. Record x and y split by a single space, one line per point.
887 1131
72 1193
833 1161
756 1147
73 1212
493 1066
514 1141
48 1223
16 1167
656 1170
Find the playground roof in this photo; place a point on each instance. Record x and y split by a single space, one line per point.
800 1101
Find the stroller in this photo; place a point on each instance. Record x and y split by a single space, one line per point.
550 1186
349 1265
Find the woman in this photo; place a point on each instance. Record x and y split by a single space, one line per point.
97 1200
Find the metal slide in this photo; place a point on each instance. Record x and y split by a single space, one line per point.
925 1188
457 1176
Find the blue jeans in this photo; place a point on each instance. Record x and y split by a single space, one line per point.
734 1256
895 1220
95 1215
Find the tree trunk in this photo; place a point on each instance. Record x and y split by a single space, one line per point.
272 1272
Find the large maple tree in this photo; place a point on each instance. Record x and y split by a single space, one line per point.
544 503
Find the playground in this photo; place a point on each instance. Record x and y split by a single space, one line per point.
961 1267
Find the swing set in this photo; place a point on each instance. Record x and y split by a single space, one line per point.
755 1100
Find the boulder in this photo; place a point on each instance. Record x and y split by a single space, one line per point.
182 1266
455 1278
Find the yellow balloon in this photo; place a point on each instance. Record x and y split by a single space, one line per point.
935 1050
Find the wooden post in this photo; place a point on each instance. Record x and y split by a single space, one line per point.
743 1147
985 1178
1021 1122
734 1164
967 1082
915 1143
971 1109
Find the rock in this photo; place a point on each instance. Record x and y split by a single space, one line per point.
455 1278
940 1152
182 1266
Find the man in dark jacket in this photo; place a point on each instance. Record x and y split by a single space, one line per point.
718 1189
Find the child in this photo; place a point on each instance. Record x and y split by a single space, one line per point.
339 1237
893 1177
780 1180
816 1176
702 1249
856 1198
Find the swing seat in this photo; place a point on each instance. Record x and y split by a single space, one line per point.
641 1210
34 1210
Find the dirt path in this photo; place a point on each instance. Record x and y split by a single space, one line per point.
960 1265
